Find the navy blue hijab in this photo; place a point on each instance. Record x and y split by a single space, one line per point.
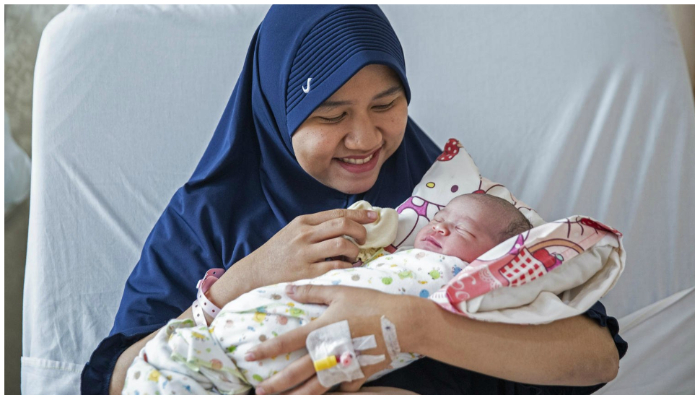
248 185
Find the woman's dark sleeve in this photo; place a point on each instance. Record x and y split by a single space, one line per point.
161 287
428 376
97 373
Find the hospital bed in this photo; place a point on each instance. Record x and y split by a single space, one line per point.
578 109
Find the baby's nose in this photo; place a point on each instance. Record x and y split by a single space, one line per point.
440 227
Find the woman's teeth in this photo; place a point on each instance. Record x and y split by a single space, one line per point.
357 160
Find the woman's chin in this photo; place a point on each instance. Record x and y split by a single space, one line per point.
355 187
352 184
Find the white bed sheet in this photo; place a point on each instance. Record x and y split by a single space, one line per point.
126 99
660 337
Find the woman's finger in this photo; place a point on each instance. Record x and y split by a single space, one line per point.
361 216
283 344
368 371
338 246
337 228
313 294
294 374
311 386
326 266
296 338
353 386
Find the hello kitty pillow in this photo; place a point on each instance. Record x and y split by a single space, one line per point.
453 174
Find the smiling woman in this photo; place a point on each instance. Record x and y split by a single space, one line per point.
267 200
346 140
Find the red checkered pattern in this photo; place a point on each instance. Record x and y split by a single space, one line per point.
522 269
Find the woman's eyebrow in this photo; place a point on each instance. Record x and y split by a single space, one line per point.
388 92
331 104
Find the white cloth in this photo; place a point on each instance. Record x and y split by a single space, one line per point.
127 97
659 336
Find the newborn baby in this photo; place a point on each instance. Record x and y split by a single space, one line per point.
183 358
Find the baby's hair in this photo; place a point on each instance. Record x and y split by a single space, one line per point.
516 221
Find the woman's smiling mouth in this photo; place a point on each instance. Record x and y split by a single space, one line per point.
357 160
359 164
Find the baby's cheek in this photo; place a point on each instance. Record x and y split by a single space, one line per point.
419 237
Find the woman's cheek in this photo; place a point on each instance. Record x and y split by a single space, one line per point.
314 150
397 127
393 142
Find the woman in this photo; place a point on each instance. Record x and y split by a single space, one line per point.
317 121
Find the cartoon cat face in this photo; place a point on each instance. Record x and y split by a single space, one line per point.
453 174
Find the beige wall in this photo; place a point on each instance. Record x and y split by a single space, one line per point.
683 16
23 27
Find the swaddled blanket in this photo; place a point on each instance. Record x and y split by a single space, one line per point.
186 359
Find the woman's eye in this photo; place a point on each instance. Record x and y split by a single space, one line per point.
384 106
334 119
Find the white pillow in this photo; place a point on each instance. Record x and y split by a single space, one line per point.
453 174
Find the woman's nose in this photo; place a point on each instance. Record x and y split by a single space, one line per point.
365 135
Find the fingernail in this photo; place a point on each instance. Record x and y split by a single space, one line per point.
372 214
289 289
259 391
249 356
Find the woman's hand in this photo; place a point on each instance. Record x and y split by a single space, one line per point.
362 308
311 245
307 247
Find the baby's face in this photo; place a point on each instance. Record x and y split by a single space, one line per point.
465 228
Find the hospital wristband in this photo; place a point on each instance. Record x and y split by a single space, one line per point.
202 304
199 318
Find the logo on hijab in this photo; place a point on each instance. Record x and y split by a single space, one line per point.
308 86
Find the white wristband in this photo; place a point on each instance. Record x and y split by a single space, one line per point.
198 315
203 305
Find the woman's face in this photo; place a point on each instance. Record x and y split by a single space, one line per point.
346 140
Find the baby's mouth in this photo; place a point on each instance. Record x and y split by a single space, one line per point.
431 240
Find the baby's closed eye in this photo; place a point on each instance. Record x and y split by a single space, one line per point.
464 230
